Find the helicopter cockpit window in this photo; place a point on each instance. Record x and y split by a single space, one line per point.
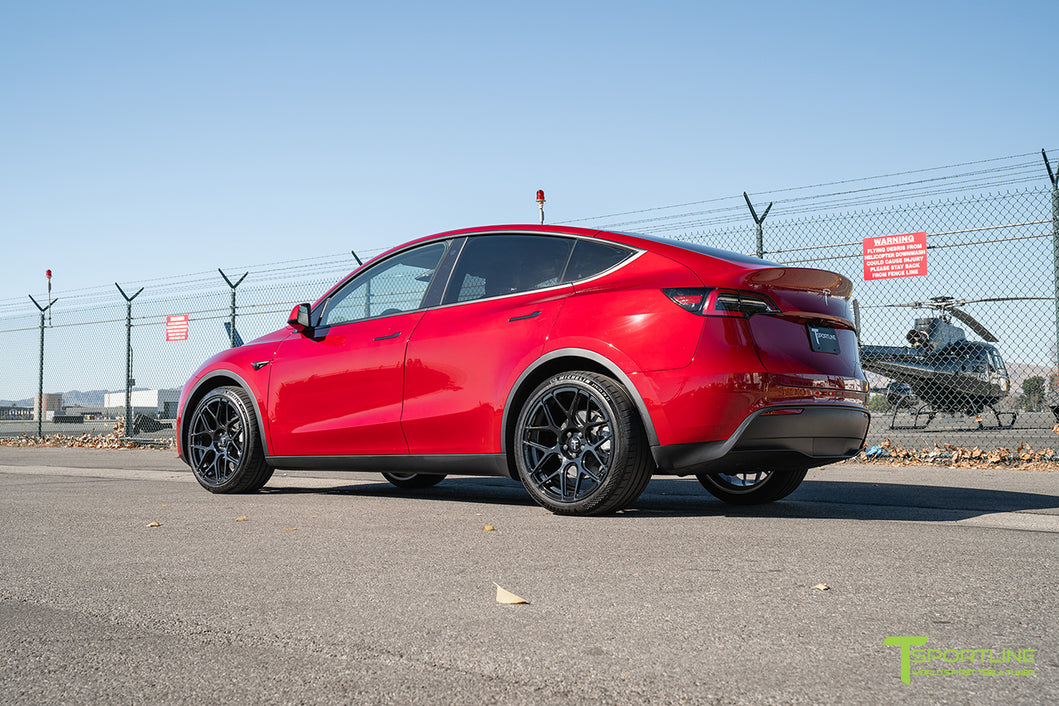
996 365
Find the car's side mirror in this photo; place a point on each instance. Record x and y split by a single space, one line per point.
301 318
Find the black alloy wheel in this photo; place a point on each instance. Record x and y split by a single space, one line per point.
224 448
754 487
412 481
579 445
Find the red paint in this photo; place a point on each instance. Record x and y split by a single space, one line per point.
439 378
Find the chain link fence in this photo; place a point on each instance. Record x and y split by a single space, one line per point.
958 336
86 334
957 322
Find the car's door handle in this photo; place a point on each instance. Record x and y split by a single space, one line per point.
395 334
525 316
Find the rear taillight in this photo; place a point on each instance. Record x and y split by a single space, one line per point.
706 301
731 302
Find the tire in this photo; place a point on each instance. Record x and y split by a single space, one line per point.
224 448
580 447
752 488
412 481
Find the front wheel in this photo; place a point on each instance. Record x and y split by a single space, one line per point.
580 447
224 448
413 480
752 488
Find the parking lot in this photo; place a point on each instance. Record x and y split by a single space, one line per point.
339 588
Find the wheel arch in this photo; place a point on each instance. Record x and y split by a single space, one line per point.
211 381
558 361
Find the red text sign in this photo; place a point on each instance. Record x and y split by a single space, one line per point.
895 256
176 327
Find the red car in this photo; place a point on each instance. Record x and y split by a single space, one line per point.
579 362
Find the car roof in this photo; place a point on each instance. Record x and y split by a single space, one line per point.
638 240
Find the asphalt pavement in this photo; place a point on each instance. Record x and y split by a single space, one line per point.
123 581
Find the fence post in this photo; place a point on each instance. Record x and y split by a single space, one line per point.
40 381
367 293
760 250
1054 178
128 358
233 286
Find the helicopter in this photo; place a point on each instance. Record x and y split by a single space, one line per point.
940 370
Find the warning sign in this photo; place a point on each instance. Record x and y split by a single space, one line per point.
895 256
176 327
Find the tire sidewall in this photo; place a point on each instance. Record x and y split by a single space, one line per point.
249 421
779 484
413 481
619 446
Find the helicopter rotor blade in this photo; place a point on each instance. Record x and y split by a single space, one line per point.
913 305
949 302
975 326
961 302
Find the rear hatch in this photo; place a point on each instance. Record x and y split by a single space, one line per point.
807 341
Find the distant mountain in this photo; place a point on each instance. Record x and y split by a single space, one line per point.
76 398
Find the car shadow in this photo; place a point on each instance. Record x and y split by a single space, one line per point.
853 500
496 491
814 499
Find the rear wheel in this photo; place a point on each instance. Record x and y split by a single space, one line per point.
224 447
752 488
413 480
580 448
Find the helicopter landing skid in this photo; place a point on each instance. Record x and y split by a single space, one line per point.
1004 420
1000 418
922 411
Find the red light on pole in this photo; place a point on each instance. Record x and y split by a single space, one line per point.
540 203
47 273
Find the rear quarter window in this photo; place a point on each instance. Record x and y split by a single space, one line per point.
590 258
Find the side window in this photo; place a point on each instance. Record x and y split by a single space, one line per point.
391 287
494 265
592 258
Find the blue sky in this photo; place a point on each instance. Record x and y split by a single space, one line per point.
146 139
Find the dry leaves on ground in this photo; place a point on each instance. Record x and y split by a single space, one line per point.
507 597
1022 458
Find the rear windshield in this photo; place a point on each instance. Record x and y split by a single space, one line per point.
706 250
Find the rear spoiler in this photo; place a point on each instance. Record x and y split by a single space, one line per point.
801 279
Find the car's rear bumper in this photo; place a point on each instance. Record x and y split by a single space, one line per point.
788 436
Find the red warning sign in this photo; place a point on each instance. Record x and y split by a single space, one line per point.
176 327
895 256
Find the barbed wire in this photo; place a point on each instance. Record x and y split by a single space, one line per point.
765 194
738 212
209 280
322 270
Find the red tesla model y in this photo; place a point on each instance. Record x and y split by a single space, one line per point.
578 362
